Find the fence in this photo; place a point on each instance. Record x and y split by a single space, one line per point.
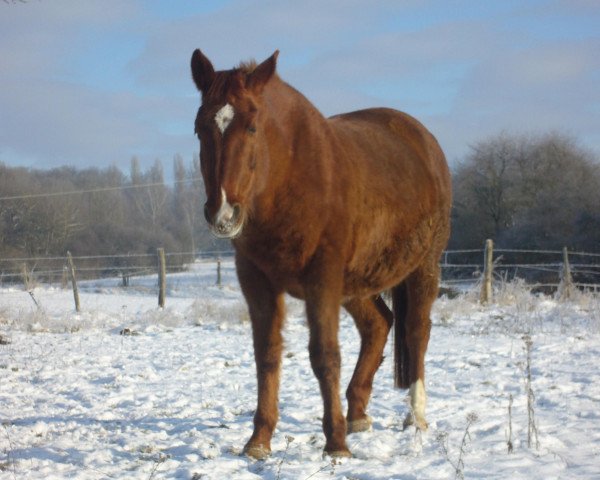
544 270
69 269
125 266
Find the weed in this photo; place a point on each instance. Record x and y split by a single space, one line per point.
509 442
459 464
532 432
158 461
288 440
10 463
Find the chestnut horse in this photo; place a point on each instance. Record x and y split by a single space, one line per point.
332 211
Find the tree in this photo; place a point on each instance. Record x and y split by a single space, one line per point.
527 191
484 186
149 195
44 213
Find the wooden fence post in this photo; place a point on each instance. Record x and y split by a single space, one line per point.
488 270
65 278
162 277
73 281
566 281
25 275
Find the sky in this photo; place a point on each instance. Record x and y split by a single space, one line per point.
93 83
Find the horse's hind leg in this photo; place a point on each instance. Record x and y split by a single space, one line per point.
373 320
421 291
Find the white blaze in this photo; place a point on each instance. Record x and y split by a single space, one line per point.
224 117
227 223
225 213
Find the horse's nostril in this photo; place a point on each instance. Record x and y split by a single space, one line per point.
237 209
206 213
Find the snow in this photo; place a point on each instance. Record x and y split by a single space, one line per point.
124 390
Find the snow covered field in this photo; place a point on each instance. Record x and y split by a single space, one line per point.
124 390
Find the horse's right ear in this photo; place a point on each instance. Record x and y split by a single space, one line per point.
203 72
262 73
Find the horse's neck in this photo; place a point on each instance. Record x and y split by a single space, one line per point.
298 152
295 112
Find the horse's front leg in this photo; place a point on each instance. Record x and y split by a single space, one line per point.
323 298
267 311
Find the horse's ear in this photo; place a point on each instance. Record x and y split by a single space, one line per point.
203 72
262 73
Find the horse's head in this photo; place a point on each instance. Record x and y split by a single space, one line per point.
229 125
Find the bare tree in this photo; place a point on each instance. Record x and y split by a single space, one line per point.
528 191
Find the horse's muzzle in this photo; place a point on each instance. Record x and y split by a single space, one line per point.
227 222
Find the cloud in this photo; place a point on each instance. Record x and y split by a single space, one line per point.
50 116
61 123
541 88
37 37
95 83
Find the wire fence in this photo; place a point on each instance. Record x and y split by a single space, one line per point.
541 268
54 269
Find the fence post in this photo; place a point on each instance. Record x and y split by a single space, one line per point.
65 277
566 281
488 270
25 275
162 277
219 271
73 281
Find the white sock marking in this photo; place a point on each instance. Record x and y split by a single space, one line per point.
418 399
224 117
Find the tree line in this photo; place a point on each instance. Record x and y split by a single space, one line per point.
522 191
528 192
102 211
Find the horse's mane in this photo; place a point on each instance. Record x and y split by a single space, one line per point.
226 80
248 66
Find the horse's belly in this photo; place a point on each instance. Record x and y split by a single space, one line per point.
383 260
374 277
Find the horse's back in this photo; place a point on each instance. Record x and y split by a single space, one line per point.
396 185
393 154
393 133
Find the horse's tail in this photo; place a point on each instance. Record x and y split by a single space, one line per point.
401 356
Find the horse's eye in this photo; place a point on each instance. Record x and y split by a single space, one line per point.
251 129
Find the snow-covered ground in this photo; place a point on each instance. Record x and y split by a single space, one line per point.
124 390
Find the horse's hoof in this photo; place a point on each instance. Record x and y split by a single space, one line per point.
417 421
360 425
345 453
257 452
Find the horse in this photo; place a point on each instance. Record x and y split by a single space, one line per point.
333 211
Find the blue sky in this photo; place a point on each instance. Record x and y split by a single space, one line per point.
93 83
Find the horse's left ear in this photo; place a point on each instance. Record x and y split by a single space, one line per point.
203 71
262 74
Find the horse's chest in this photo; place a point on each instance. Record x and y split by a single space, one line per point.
282 259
